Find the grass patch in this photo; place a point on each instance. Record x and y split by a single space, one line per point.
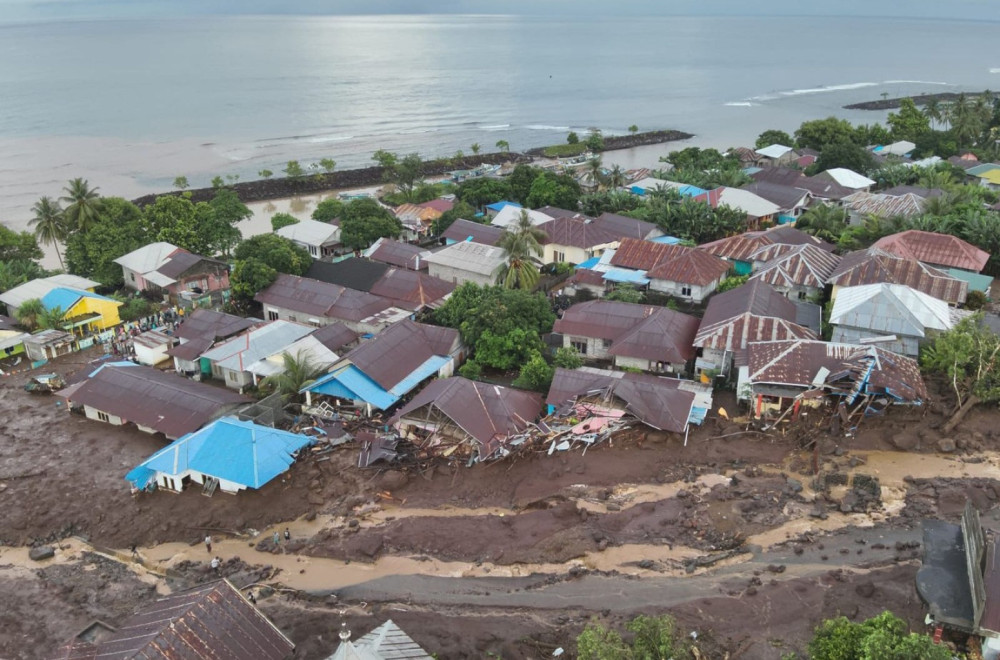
565 150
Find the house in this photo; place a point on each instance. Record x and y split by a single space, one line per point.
305 300
979 171
752 312
467 262
11 338
182 275
412 290
897 317
386 642
792 202
990 179
383 369
822 189
873 266
630 335
229 454
38 288
758 210
207 622
466 418
919 191
49 344
493 209
320 349
691 275
576 238
198 332
320 239
121 392
797 271
357 274
939 250
801 371
442 204
151 347
665 404
416 219
466 230
511 215
230 361
861 205
585 279
396 253
740 249
846 178
84 313
901 148
776 155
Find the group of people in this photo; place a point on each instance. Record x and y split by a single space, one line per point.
165 320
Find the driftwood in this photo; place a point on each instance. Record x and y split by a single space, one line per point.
960 414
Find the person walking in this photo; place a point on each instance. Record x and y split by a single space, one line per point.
208 544
277 539
288 535
135 551
215 564
251 597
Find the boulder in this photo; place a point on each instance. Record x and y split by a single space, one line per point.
946 445
41 553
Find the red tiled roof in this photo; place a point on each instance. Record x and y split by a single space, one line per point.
932 248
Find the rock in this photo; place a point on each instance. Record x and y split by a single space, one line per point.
311 516
865 589
946 445
795 485
353 522
614 507
645 563
41 553
904 441
602 545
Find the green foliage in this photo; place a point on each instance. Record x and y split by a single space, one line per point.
844 154
299 372
695 158
403 172
520 181
732 282
181 183
872 134
595 141
218 182
536 374
470 370
936 143
53 318
609 201
625 293
565 150
509 350
293 170
49 225
823 221
30 312
83 204
328 165
18 271
975 300
568 358
503 146
522 247
265 174
893 173
328 210
206 228
968 356
633 129
422 192
909 123
279 220
551 189
820 133
689 219
364 221
882 637
475 148
481 191
279 253
773 136
572 138
16 245
120 228
250 276
459 210
135 308
653 638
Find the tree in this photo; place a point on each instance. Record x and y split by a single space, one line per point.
508 350
402 172
909 123
522 245
930 177
773 136
364 221
536 374
470 370
481 191
49 224
966 123
218 182
275 251
328 210
250 276
633 129
820 133
695 158
625 293
653 638
29 313
733 282
616 177
882 637
823 221
568 358
459 210
83 204
328 165
279 220
17 272
299 372
206 228
968 355
550 189
265 174
181 183
120 229
572 138
293 170
18 245
595 170
503 146
475 148
52 318
595 141
845 154
933 111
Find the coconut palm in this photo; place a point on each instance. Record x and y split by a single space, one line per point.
824 221
934 178
933 110
49 224
29 312
965 119
299 373
522 247
595 171
52 318
616 177
83 204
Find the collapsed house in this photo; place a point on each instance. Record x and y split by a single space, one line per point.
463 418
801 372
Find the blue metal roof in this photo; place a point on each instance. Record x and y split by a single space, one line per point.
66 297
351 383
499 206
589 263
626 275
228 449
425 370
668 240
637 190
691 191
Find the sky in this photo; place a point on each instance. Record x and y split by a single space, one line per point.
49 10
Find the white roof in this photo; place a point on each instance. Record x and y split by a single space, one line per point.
385 642
147 258
469 256
891 308
849 178
900 148
509 215
240 352
311 232
39 288
774 151
748 202
308 348
930 161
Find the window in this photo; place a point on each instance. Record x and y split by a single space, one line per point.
272 315
131 277
232 375
802 295
686 291
104 417
559 257
606 343
579 346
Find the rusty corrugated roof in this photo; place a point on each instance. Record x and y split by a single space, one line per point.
396 352
801 265
411 289
211 324
320 299
737 248
874 266
936 249
690 267
752 312
462 230
642 255
397 253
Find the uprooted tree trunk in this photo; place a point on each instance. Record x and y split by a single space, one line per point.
959 414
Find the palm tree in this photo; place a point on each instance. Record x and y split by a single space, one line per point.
933 111
616 177
522 247
934 178
299 373
596 171
824 221
49 224
475 148
83 204
503 145
52 318
965 121
29 312
938 206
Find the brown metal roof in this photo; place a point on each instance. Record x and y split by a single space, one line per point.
656 402
873 266
785 196
626 227
182 261
397 253
586 276
397 351
802 265
411 289
164 402
488 413
210 622
191 349
461 230
786 235
882 205
212 324
690 267
936 249
315 298
638 254
577 231
752 312
737 248
335 336
357 274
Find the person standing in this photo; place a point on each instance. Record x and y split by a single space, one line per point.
251 597
288 535
277 539
215 564
208 544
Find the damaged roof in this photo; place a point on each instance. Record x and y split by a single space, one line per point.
167 403
209 622
656 402
390 356
488 413
882 205
320 299
752 312
241 351
800 265
875 266
933 248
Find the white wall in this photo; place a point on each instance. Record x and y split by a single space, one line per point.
595 347
449 274
698 293
92 413
151 356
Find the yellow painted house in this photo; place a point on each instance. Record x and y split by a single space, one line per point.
84 312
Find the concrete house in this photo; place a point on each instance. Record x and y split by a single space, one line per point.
181 275
796 271
897 317
758 210
861 205
682 272
198 332
49 344
467 262
873 266
230 361
466 230
38 288
776 155
638 336
792 202
320 239
151 347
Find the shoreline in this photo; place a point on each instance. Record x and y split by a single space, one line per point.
918 99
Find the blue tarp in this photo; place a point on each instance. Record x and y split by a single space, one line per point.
499 206
589 263
691 191
227 449
625 275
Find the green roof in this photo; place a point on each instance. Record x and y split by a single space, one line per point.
977 282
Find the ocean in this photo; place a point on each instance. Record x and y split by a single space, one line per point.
132 104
